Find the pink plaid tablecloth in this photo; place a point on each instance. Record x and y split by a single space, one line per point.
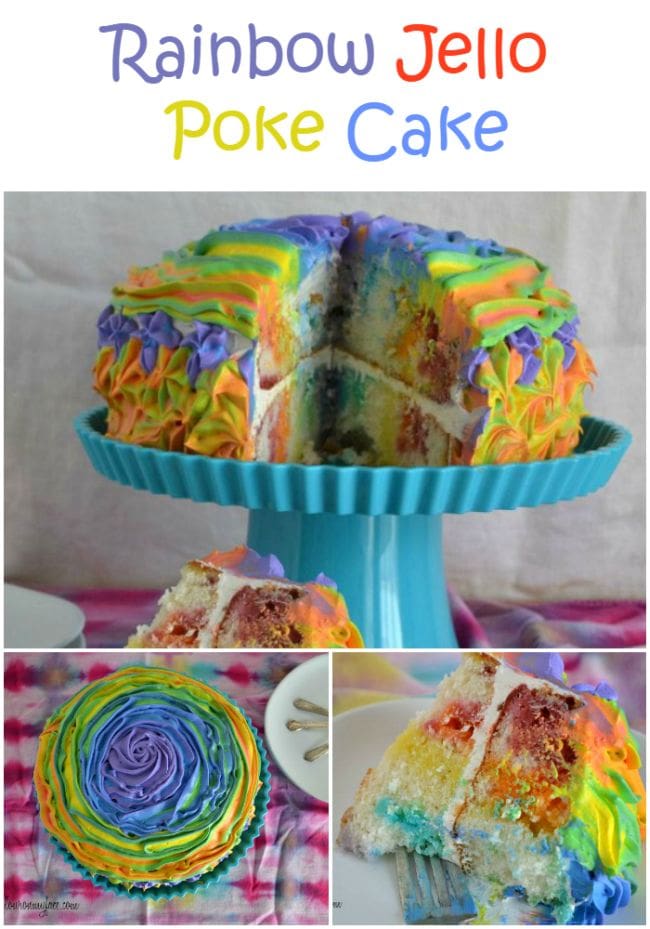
112 615
283 879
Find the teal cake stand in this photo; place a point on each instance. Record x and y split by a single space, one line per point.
376 531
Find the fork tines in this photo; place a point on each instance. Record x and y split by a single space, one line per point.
432 890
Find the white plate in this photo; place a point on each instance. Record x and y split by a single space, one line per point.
365 892
37 620
310 681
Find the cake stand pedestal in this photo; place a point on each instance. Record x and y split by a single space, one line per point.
390 569
376 531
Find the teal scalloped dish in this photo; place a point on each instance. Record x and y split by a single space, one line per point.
348 489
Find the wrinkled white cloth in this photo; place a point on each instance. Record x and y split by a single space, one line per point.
67 525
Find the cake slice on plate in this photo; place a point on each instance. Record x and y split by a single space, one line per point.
239 599
528 785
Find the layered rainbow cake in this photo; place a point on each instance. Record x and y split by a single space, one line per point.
531 787
344 339
147 780
239 599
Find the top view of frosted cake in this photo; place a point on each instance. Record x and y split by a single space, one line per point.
344 340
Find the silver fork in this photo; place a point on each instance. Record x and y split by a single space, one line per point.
309 707
295 725
432 890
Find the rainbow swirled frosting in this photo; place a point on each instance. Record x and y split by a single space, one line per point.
148 779
535 789
345 339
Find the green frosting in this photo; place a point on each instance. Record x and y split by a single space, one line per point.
623 829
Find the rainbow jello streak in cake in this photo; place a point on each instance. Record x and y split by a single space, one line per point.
239 599
533 788
147 778
349 339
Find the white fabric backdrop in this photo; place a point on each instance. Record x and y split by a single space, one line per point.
67 525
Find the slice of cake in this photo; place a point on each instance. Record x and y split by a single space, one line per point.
344 339
148 780
238 599
528 785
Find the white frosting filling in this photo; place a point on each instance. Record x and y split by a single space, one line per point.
229 585
451 417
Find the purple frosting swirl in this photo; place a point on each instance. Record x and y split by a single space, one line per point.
470 364
139 762
254 565
211 345
548 665
114 329
602 689
311 228
156 761
526 342
567 333
325 581
156 329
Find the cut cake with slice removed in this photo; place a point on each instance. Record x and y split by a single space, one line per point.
239 599
526 784
344 339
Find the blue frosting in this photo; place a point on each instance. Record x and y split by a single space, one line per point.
596 894
247 370
316 233
593 893
479 426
